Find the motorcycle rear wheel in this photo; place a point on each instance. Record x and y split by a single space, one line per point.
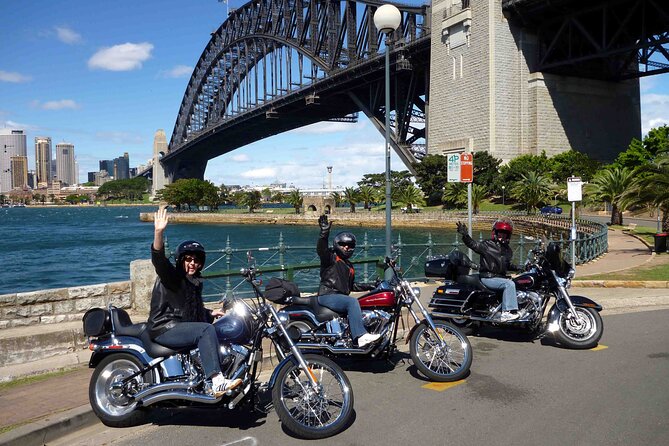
581 334
445 362
308 414
112 405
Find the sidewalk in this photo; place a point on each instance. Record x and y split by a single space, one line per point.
46 409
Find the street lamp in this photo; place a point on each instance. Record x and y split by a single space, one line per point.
503 187
387 19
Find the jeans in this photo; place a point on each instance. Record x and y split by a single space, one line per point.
203 335
349 305
509 299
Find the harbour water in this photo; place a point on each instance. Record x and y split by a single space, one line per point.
56 247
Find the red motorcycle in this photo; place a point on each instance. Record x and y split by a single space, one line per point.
439 350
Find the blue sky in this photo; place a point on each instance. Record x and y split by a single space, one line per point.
105 75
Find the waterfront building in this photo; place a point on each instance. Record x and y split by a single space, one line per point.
19 168
12 144
65 163
159 150
43 160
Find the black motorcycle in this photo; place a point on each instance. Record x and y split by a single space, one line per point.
310 393
463 300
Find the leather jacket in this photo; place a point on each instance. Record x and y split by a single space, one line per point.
337 274
175 297
496 258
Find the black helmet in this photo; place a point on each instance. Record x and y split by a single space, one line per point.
344 239
190 247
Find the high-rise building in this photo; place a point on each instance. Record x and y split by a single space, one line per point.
122 167
19 168
65 163
12 144
159 150
43 160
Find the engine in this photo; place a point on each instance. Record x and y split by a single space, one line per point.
375 320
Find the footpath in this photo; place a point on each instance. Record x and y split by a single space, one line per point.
46 407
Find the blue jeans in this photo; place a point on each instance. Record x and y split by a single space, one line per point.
349 305
203 335
509 299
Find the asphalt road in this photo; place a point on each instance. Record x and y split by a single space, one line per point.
519 393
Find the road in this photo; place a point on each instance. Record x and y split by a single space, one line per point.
518 393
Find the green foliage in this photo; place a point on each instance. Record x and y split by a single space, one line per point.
76 198
350 196
517 168
252 200
378 180
486 169
532 189
369 195
610 185
431 177
295 200
409 196
573 164
129 189
185 193
635 156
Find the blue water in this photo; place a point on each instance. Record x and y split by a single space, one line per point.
60 247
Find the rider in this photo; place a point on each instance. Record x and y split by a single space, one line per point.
496 260
178 318
338 280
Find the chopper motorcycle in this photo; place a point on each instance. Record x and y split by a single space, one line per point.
440 351
463 300
311 394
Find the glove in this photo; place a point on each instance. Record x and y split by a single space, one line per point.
462 228
324 223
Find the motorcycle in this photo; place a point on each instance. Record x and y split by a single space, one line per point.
439 350
311 394
463 300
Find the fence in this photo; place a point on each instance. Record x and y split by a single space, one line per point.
301 264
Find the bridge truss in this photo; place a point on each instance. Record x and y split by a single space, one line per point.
276 65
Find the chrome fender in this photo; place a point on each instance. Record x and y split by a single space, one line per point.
275 373
410 335
561 307
122 344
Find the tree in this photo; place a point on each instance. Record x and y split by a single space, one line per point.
266 194
410 196
368 195
635 156
431 177
252 200
610 184
486 169
455 196
650 187
533 189
337 198
522 165
209 195
295 200
351 197
573 164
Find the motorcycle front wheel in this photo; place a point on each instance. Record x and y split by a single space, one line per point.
582 332
109 397
443 360
313 413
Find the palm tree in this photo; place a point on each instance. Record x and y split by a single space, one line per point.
351 197
295 200
533 189
651 188
454 195
368 195
610 185
337 198
410 196
252 200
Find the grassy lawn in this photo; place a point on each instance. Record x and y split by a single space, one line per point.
643 273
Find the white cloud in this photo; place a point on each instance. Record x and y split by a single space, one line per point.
124 57
261 173
57 105
17 125
240 158
67 35
8 76
654 111
178 71
120 138
325 127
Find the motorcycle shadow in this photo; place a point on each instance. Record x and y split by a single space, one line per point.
374 365
240 418
510 334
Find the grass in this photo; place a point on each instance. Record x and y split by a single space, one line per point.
4 386
643 273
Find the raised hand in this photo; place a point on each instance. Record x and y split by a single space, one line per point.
324 223
462 228
160 219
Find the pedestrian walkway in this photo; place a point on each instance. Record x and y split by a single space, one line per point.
43 410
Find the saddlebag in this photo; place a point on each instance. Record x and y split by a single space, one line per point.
97 322
280 291
448 267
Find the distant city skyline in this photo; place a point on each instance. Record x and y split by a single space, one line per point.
110 74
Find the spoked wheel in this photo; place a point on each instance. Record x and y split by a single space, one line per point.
313 413
581 332
111 399
446 359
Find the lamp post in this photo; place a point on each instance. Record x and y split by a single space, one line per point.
503 188
387 19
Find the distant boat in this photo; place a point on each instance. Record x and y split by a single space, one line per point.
5 205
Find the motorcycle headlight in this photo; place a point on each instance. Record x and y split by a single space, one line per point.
416 291
239 308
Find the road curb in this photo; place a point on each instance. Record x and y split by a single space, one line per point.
45 430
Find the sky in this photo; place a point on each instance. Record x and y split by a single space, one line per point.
105 75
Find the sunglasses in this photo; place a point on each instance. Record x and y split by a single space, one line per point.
347 245
189 259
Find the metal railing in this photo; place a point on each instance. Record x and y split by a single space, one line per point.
301 263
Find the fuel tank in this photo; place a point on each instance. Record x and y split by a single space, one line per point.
526 281
234 328
385 298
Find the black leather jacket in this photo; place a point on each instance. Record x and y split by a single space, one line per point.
337 274
496 258
175 297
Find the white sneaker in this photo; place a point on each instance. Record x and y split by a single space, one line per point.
367 338
220 385
507 316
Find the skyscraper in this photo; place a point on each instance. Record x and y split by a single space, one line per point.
122 167
19 167
65 163
12 144
43 159
159 149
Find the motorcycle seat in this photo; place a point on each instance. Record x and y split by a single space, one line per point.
123 325
472 280
310 303
156 350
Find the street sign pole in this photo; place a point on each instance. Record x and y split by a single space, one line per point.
574 194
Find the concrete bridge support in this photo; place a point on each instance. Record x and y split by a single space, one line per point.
484 94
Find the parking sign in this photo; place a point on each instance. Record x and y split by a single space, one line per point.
453 172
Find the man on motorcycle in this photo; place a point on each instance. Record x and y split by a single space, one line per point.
338 280
496 260
178 318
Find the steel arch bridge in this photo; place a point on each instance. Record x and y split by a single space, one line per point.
276 65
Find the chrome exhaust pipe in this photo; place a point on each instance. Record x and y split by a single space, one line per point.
164 387
458 316
179 395
332 349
